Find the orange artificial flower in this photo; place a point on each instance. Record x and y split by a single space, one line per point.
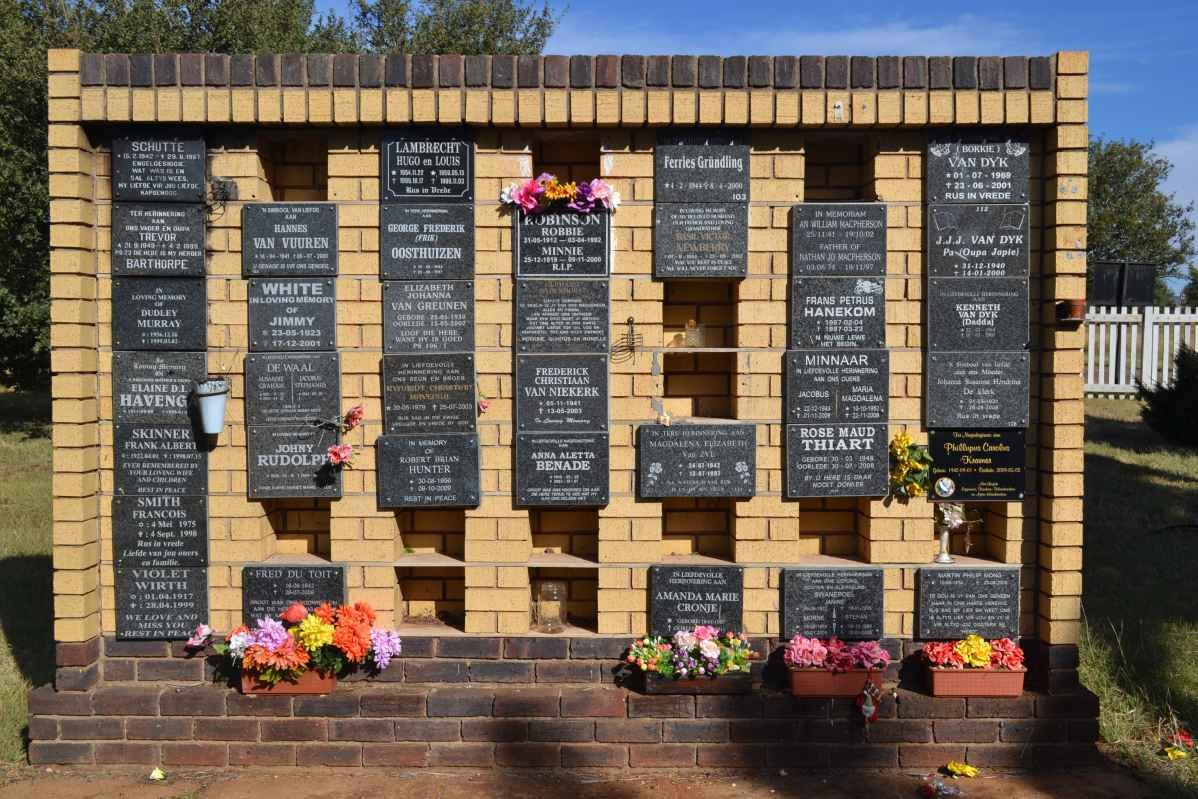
353 640
288 656
326 613
294 614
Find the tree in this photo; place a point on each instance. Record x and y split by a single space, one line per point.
469 27
1131 217
1189 294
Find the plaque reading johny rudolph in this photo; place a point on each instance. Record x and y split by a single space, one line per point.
978 465
159 239
701 240
289 240
984 168
836 460
835 385
562 244
562 316
428 164
560 469
977 313
428 316
429 394
978 240
158 169
954 603
428 471
978 389
846 312
160 530
159 313
292 314
838 239
697 460
155 387
825 602
291 461
160 603
268 590
158 459
292 388
561 393
426 242
684 597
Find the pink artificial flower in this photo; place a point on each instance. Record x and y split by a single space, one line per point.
706 633
804 653
527 195
340 454
294 614
200 638
484 405
840 655
353 417
869 655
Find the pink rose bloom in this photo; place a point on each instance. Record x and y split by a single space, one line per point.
709 649
484 406
200 638
685 641
869 655
706 633
803 653
527 195
294 614
340 454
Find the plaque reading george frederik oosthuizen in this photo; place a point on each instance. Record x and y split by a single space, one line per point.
562 316
429 394
268 590
292 314
289 240
954 603
159 313
983 168
838 239
428 471
428 316
836 460
160 603
978 389
684 597
426 242
561 393
697 460
978 465
292 388
845 312
292 461
155 387
826 602
159 239
428 164
160 530
158 459
562 244
158 169
561 469
978 240
834 385
977 313
701 240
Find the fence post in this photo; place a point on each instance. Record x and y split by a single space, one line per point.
1148 345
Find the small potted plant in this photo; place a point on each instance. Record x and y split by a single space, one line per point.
700 661
831 667
974 666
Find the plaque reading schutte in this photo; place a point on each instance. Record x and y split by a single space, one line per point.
159 239
158 169
684 597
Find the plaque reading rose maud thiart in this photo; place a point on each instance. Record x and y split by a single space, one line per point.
836 460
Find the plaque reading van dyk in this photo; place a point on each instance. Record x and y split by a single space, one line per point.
979 168
696 460
980 241
837 460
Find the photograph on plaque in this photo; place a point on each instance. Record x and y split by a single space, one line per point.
427 164
700 240
837 460
290 388
683 597
700 170
428 471
978 465
158 459
561 469
158 239
431 393
824 602
292 461
562 243
160 603
426 242
978 240
169 313
838 240
155 387
562 316
428 316
269 589
981 168
289 240
161 168
977 313
561 393
978 389
292 315
845 312
834 385
160 530
696 460
954 603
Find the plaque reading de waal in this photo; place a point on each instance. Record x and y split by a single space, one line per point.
697 460
837 385
160 530
292 388
838 239
291 461
978 389
562 316
978 465
428 316
289 240
846 312
158 239
292 314
158 169
428 471
155 387
429 394
158 459
562 244
977 313
426 164
426 242
684 597
987 168
561 393
701 240
159 313
836 460
266 591
978 240
700 169
826 602
560 469
160 603
954 603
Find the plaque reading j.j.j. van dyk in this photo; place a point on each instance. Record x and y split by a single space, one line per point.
155 387
160 603
978 240
697 460
159 313
428 316
292 314
292 461
685 596
562 316
836 460
291 388
158 168
158 239
428 165
562 244
426 242
428 471
289 240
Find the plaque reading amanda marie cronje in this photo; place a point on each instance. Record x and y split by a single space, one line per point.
268 590
562 469
562 316
954 603
431 393
836 460
822 602
158 459
426 242
159 239
697 460
158 169
292 388
838 240
291 461
562 244
159 313
428 316
978 240
161 530
427 164
978 389
155 387
160 603
289 240
428 471
686 596
292 314
835 385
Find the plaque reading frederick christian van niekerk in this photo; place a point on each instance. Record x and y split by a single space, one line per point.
158 459
561 469
825 602
562 316
701 240
561 393
429 394
428 164
159 239
159 313
562 244
838 239
292 388
954 603
978 465
428 316
697 460
835 385
977 313
426 242
836 460
292 314
690 168
984 168
978 240
289 240
268 590
291 461
684 597
978 389
160 603
160 530
428 471
846 312
155 387
158 169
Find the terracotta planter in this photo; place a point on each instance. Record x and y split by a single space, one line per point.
821 682
1071 311
728 684
310 682
975 682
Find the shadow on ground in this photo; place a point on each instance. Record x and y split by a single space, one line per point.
25 413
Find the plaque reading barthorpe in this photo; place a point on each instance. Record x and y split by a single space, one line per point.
977 313
292 388
561 393
986 168
427 164
428 471
160 603
843 312
954 603
836 460
291 461
289 240
837 386
159 313
292 315
826 602
562 244
978 240
158 169
426 242
160 530
554 469
158 460
158 239
266 591
562 316
838 240
429 394
978 465
978 389
684 597
155 387
697 460
700 240
428 316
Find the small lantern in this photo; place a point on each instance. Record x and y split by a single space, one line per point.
212 396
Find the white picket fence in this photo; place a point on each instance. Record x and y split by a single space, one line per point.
1129 346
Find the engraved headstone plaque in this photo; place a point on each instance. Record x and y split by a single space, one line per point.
954 603
160 530
268 590
825 602
289 240
683 597
155 387
158 168
556 469
692 240
160 603
428 316
562 316
712 172
834 385
697 460
429 394
978 465
428 471
978 389
984 168
838 239
154 459
561 393
426 242
977 314
159 313
428 164
845 312
979 241
292 314
562 244
291 461
292 388
158 239
836 460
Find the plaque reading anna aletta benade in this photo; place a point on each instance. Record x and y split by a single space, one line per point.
560 469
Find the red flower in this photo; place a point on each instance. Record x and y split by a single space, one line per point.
353 417
325 612
943 655
294 614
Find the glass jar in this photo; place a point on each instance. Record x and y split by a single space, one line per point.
549 606
694 334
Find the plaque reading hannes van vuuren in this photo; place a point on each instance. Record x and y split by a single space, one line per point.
289 240
978 465
426 242
159 239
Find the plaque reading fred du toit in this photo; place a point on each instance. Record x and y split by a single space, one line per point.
428 316
426 242
292 461
159 239
160 603
954 603
844 312
836 460
562 244
268 590
822 602
160 530
562 316
292 315
978 465
683 597
561 393
978 241
158 459
159 313
155 387
835 385
985 168
697 460
428 471
701 240
838 240
159 168
978 389
292 388
289 240
977 313
429 394
428 164
559 469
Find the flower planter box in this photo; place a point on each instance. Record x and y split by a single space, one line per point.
976 682
310 682
821 682
727 684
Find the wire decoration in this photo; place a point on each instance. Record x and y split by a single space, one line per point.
626 346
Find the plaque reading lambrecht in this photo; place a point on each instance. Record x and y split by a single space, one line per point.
427 164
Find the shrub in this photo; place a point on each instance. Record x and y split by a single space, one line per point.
1171 410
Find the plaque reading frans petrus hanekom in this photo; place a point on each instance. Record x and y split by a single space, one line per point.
158 239
289 240
426 242
845 312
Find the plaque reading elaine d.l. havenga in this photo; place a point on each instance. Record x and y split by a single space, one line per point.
954 603
822 602
269 589
289 240
158 168
838 240
685 596
155 387
426 242
160 603
562 316
427 165
158 239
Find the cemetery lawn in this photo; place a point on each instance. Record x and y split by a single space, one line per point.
1139 648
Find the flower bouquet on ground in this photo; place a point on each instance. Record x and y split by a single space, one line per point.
831 667
974 666
546 192
700 661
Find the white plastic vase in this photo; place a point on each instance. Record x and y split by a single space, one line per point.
212 395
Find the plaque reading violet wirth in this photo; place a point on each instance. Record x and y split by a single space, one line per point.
160 603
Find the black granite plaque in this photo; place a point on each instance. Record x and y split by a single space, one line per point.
428 471
160 530
158 239
845 312
268 590
700 240
424 164
158 169
977 313
428 316
838 239
292 388
978 389
426 242
562 316
978 241
978 465
553 469
561 393
824 602
562 244
685 597
153 313
705 173
292 461
289 240
834 385
836 460
292 315
954 603
155 387
697 460
153 459
160 603
985 168
429 394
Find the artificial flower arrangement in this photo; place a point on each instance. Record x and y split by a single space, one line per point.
974 666
689 659
342 454
546 192
831 667
910 468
